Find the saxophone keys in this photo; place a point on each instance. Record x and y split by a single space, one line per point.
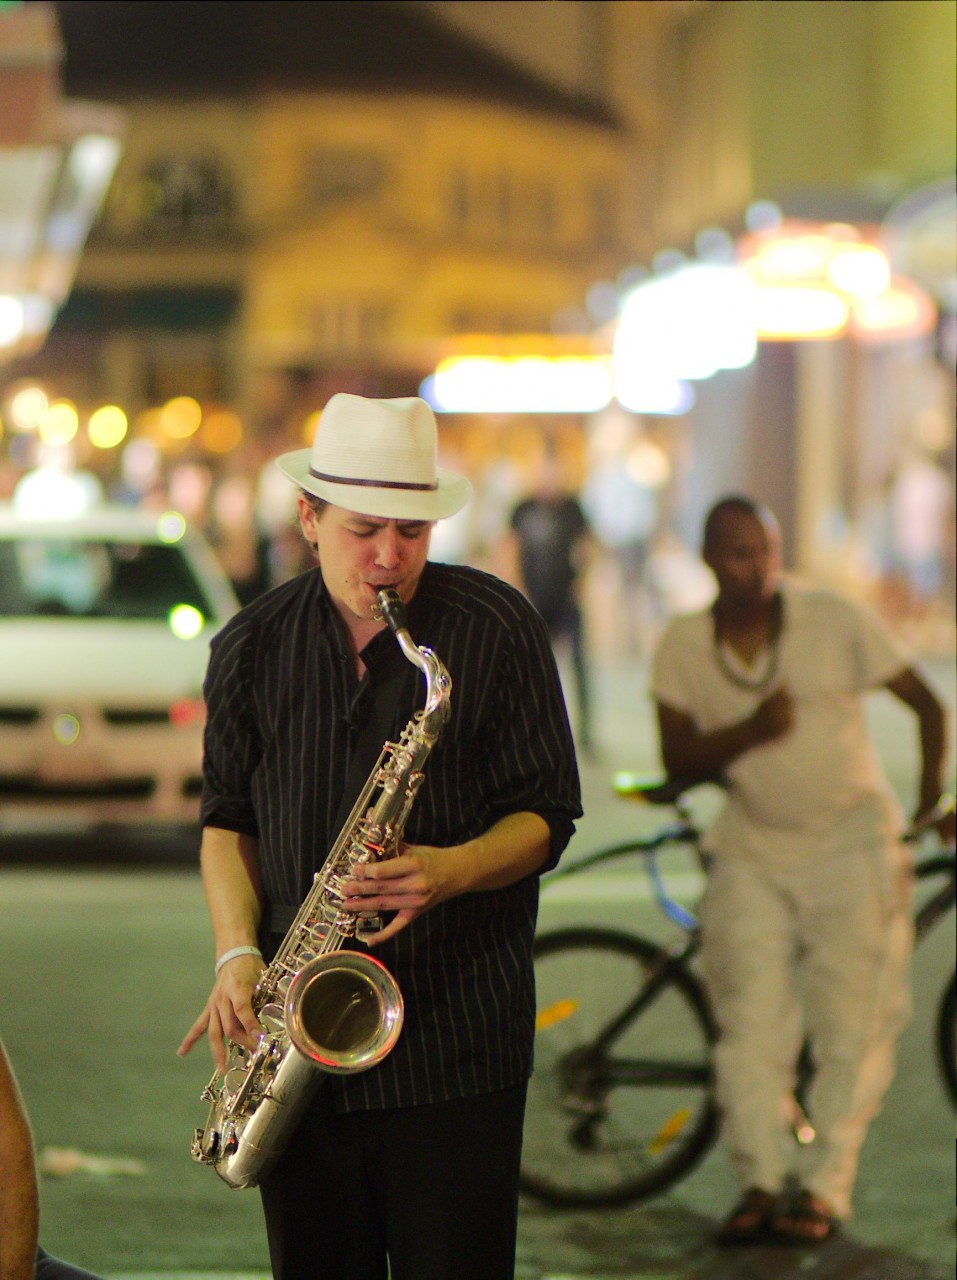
271 1017
367 925
233 1081
204 1146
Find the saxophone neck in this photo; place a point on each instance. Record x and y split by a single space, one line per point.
438 683
437 680
438 689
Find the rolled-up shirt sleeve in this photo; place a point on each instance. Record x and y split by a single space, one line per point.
533 769
231 744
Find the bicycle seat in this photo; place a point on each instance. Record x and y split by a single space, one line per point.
653 789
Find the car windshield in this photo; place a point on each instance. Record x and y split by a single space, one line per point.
45 577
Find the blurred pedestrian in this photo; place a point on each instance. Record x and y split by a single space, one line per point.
21 1257
806 915
921 510
412 1165
241 547
550 550
623 513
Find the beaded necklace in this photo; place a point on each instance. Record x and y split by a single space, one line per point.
766 679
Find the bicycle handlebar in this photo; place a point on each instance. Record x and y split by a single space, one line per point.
941 809
653 789
677 833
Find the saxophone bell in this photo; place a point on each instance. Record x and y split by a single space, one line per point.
344 1011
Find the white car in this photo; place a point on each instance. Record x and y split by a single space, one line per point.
105 623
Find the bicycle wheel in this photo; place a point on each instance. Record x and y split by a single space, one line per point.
615 1122
947 1036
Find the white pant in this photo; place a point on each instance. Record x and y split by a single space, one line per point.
824 947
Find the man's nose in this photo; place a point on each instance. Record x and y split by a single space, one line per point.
387 547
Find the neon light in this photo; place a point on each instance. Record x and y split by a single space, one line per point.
790 312
687 325
861 270
639 392
901 312
520 384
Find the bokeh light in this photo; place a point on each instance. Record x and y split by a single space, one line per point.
185 621
11 320
107 427
66 728
59 424
170 527
180 417
220 431
47 493
862 270
28 404
140 465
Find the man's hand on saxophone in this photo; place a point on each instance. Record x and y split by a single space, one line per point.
408 884
421 876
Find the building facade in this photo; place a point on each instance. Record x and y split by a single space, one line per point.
325 196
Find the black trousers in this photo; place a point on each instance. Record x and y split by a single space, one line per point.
53 1269
565 622
430 1191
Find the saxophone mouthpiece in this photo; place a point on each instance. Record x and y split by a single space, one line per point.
392 609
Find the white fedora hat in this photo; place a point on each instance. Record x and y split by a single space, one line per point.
377 457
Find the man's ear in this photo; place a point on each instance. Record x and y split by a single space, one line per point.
307 523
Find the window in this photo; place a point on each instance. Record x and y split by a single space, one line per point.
185 193
45 577
331 174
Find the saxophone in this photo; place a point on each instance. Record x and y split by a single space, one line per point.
324 1009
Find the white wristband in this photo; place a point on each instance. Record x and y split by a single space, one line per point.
232 954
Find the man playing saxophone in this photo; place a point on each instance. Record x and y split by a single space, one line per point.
413 1163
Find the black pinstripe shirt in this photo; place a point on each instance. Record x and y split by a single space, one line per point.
291 736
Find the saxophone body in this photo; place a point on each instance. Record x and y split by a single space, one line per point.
324 1009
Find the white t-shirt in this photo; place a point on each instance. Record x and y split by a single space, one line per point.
820 788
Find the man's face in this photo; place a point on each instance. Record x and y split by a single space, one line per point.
745 557
359 555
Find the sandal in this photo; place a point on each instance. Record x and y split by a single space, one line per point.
750 1221
807 1221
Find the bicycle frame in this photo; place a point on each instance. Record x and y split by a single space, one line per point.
944 899
632 1111
674 956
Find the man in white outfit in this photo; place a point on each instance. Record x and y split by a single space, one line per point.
806 917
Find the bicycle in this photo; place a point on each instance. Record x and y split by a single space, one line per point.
621 1103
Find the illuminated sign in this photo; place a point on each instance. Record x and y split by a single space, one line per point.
520 384
793 281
